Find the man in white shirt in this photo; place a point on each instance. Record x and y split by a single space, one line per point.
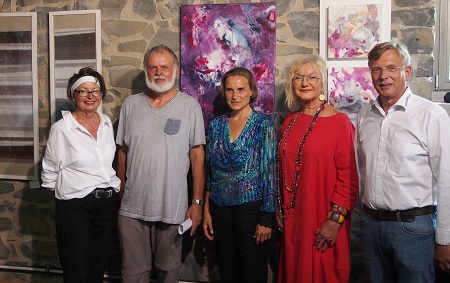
404 169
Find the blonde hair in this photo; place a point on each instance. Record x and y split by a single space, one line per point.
316 63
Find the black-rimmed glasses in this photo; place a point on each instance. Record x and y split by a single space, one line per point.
85 92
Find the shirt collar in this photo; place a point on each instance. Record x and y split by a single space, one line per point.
402 103
72 124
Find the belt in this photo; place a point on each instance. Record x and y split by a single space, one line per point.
103 192
399 215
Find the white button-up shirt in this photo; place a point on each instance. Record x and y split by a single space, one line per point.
404 158
75 163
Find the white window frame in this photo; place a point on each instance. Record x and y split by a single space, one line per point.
442 50
70 23
20 74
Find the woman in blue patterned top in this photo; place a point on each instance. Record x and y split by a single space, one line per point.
241 177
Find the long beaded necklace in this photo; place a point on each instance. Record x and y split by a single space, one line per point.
298 160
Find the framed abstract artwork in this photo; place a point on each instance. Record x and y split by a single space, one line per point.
353 30
75 42
19 135
347 33
349 88
218 37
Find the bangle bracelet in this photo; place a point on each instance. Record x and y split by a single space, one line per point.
336 217
339 209
198 201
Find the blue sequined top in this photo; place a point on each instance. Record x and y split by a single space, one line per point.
243 170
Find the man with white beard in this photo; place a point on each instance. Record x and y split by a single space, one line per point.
160 134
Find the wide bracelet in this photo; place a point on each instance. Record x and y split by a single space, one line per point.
339 209
198 201
336 217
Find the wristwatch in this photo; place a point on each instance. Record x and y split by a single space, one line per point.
198 201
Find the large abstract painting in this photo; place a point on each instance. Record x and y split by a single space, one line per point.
350 88
353 30
218 37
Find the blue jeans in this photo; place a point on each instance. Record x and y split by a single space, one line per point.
400 252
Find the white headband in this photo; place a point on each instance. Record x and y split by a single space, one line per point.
81 80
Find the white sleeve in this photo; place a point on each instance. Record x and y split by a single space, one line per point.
439 154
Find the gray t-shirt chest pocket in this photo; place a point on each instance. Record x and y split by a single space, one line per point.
172 126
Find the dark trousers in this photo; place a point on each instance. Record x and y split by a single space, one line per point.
84 228
240 259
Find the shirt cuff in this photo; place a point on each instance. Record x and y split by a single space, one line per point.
48 186
442 237
266 219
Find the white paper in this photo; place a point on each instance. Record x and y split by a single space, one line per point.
186 225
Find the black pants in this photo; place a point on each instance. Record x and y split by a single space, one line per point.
84 228
240 259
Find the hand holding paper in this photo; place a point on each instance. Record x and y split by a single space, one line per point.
186 225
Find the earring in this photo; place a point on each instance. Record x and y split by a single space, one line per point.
322 97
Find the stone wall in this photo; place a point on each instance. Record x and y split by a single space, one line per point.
27 234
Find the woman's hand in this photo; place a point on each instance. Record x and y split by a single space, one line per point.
262 234
326 235
207 225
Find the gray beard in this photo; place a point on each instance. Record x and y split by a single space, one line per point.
161 88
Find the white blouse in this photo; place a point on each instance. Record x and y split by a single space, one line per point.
75 163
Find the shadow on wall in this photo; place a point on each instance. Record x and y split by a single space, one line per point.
139 85
36 229
200 263
33 252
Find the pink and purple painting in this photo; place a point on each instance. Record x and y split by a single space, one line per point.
350 88
218 37
353 30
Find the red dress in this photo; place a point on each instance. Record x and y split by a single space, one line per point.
328 175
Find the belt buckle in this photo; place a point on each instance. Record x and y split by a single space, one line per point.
99 193
103 193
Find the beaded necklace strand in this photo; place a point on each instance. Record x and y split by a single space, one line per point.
298 159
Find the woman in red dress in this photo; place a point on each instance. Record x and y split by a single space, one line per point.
318 181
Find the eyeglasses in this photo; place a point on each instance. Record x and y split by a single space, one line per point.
312 79
85 92
388 69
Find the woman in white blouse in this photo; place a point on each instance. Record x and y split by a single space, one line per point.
77 166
